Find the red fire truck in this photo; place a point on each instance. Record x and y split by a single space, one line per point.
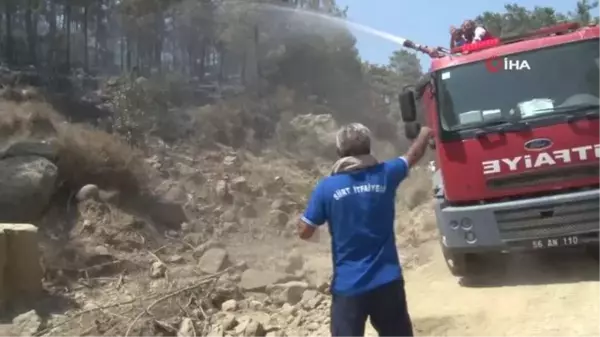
516 142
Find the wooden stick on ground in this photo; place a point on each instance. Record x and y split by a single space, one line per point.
174 293
81 313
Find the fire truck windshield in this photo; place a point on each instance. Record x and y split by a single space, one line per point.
529 86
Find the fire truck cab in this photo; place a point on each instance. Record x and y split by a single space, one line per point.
516 142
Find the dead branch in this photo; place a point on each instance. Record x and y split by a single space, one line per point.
81 313
175 293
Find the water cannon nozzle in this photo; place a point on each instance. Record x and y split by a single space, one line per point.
409 44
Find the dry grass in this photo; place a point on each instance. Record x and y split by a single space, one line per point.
86 156
27 120
90 156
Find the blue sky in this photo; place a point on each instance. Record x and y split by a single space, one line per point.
422 21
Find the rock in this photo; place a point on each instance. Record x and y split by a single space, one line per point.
186 328
240 184
22 272
290 292
225 291
217 331
276 185
213 261
248 211
311 299
44 149
229 322
202 248
27 324
89 191
277 333
172 191
228 227
26 186
284 206
229 305
278 219
313 326
141 80
154 162
87 226
186 227
309 294
241 266
109 196
175 259
288 309
221 189
228 216
241 326
113 81
158 270
230 161
194 239
254 328
168 213
294 262
255 305
258 280
323 287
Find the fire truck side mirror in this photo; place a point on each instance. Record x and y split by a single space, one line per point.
408 107
411 130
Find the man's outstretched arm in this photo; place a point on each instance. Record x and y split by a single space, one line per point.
418 147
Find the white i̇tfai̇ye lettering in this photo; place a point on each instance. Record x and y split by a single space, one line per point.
576 154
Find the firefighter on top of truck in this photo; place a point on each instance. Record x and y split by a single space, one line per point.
469 32
456 37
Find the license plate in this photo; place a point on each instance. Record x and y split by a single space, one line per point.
562 241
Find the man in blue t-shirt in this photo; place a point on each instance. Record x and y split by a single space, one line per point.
357 201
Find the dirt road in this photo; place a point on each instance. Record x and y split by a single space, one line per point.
555 294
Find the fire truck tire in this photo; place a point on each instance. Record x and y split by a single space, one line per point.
459 264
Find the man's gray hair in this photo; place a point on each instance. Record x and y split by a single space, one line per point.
353 139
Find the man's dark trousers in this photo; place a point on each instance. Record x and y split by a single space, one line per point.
385 306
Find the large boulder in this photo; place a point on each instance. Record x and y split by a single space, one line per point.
45 149
26 185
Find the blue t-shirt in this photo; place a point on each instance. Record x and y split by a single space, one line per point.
359 209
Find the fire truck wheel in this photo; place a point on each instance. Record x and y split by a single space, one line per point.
459 264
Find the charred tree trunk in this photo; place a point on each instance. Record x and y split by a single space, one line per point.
31 33
128 58
68 10
52 34
221 52
9 38
202 65
122 54
86 61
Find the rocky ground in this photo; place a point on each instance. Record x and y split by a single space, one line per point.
174 238
209 248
